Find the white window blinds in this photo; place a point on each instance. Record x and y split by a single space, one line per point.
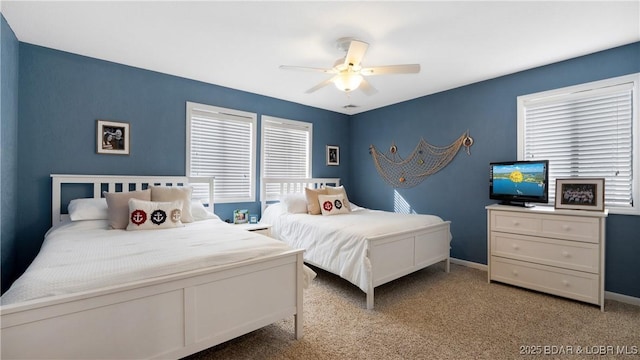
587 132
286 148
221 143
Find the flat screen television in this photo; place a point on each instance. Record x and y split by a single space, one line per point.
519 182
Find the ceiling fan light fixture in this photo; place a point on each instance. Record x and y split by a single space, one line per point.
348 81
348 71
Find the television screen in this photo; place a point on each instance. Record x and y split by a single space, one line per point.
519 181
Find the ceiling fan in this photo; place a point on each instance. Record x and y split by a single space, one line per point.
348 73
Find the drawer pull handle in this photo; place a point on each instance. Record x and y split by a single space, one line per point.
566 227
514 272
516 247
566 254
516 223
565 283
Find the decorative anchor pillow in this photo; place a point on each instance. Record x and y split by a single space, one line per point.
332 204
150 215
339 191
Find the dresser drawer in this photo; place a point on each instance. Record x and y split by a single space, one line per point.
571 228
573 255
516 223
573 284
562 227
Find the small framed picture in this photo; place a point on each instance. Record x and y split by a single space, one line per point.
253 219
580 194
333 155
240 216
112 137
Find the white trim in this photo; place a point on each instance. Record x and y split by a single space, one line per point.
301 125
233 115
470 264
631 81
622 298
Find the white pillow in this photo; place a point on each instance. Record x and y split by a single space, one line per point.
333 204
199 212
295 203
149 215
272 212
88 209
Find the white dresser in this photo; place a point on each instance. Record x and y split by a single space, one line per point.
559 252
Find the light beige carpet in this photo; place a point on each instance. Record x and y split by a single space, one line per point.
434 315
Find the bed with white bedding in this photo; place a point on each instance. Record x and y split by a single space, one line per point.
366 247
97 292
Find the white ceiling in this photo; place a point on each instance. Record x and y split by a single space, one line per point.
240 44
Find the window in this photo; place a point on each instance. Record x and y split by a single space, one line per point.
589 130
286 148
221 143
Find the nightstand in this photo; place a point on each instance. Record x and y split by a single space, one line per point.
260 228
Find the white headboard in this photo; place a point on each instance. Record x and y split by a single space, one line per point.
271 189
113 183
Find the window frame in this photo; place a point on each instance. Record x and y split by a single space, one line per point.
633 79
264 119
250 118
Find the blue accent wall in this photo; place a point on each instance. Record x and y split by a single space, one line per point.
460 191
61 97
9 149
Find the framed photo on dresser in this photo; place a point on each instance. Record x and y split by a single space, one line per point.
580 194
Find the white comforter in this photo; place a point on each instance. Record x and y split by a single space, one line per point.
85 255
338 243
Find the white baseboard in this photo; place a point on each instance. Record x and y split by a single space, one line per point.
607 294
470 264
622 298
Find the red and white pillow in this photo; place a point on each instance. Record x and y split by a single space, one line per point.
333 204
339 190
151 215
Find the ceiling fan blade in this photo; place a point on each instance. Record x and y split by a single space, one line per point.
321 85
356 52
391 69
304 68
366 88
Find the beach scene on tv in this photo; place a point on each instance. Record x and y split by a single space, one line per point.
519 179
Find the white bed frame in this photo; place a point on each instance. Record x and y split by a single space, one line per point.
392 255
166 317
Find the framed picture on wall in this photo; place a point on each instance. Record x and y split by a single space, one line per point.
580 194
333 155
112 137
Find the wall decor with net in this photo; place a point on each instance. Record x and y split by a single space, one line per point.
425 160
